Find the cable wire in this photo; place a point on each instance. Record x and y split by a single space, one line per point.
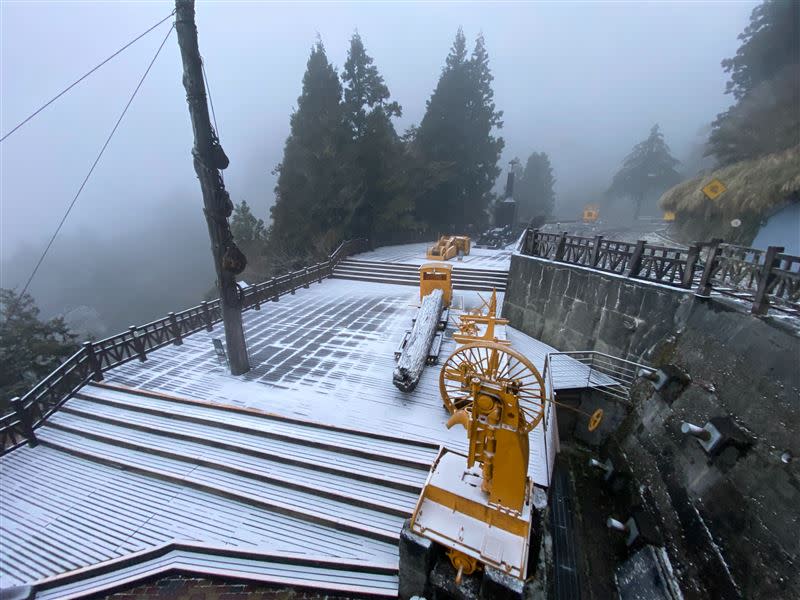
76 82
96 160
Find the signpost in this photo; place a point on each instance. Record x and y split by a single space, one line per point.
714 189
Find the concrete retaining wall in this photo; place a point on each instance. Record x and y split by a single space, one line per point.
731 522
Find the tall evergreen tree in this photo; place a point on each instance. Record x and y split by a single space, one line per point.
533 188
764 81
647 170
456 133
376 183
310 205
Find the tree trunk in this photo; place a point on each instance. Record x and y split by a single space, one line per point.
208 159
412 361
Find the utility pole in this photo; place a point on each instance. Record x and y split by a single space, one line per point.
209 159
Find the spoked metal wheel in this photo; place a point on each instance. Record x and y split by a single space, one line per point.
497 365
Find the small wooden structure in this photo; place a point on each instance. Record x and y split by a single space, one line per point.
591 212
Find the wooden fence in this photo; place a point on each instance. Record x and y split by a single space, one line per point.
94 358
764 278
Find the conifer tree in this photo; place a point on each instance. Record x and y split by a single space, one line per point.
764 82
456 134
246 228
533 188
309 204
649 169
376 183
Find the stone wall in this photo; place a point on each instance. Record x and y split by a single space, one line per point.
730 520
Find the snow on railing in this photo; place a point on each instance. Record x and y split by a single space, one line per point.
94 358
765 278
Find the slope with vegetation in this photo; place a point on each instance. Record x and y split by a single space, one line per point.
756 142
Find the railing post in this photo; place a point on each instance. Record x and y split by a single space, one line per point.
274 285
138 344
527 242
598 240
25 422
320 270
761 300
560 246
691 262
306 277
704 287
206 315
176 330
635 260
94 364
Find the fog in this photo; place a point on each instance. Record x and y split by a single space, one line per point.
583 82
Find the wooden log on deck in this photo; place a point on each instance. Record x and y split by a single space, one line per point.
412 360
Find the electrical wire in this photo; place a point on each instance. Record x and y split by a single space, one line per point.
77 81
96 160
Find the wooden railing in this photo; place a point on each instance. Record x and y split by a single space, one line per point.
94 358
764 278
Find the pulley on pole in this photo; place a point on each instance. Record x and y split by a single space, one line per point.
209 159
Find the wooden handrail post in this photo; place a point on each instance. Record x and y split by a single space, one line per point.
207 315
691 261
306 277
94 364
274 287
635 260
562 242
761 300
598 240
25 421
176 330
138 344
704 287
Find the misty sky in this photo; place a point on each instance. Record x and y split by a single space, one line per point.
580 81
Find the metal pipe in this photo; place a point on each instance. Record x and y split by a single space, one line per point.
593 462
612 523
695 431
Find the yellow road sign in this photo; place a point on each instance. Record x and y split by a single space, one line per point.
714 189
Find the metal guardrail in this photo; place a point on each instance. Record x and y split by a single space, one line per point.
765 278
609 375
94 358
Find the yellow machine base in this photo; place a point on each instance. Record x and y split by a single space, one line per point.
454 512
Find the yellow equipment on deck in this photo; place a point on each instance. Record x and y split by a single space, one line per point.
470 324
483 514
591 212
449 246
480 506
436 276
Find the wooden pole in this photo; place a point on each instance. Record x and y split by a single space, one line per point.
208 159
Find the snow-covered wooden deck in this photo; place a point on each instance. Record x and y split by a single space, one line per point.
257 461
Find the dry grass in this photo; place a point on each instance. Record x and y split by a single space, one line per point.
754 187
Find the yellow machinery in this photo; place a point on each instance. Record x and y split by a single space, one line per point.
477 326
436 276
480 506
669 215
591 212
449 246
482 514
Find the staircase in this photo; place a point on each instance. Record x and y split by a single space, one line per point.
482 280
172 469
